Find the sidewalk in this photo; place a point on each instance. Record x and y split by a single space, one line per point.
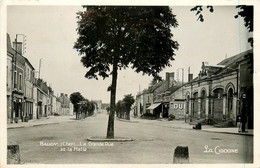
180 124
233 130
42 121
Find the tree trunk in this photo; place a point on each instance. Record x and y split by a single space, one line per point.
110 126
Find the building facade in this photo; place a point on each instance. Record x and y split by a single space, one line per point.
29 86
15 82
153 100
64 106
216 92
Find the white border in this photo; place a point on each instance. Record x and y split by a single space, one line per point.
3 121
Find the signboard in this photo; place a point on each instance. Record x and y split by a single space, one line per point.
177 108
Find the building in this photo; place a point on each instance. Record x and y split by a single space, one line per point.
98 105
54 104
29 85
64 106
152 100
104 106
217 91
27 97
42 98
9 77
175 101
15 81
58 107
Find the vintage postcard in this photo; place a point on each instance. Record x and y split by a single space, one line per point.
129 84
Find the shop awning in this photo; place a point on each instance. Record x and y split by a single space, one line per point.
153 106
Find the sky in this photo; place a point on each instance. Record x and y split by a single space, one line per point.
51 32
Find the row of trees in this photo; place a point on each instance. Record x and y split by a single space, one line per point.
123 107
82 106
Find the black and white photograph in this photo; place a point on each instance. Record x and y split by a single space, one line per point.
128 84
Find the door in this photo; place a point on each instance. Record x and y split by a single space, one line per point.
218 104
218 108
230 103
195 105
203 104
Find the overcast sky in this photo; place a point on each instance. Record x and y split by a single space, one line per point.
51 33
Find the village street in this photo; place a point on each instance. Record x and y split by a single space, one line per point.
153 142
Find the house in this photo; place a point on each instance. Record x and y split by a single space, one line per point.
151 100
29 85
42 98
64 105
9 77
15 81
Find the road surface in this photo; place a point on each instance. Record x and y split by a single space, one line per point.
66 143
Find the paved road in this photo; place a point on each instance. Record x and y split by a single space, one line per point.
153 143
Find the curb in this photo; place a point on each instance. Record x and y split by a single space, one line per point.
35 125
228 133
100 139
31 125
127 121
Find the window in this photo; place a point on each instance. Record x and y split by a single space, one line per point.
20 81
7 76
27 73
15 79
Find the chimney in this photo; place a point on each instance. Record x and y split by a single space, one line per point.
18 46
190 77
170 78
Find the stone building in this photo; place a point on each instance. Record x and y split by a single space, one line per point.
216 92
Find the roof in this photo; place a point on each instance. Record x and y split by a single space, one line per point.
227 65
29 63
173 89
155 86
235 58
9 45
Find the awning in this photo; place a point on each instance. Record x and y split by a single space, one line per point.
153 106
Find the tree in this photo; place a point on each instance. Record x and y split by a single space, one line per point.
91 107
114 37
128 102
75 98
85 108
246 12
108 109
119 108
